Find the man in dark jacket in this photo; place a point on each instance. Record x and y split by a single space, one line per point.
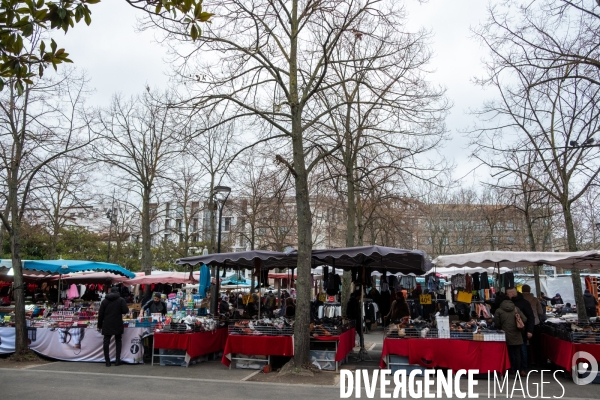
523 305
590 303
110 322
155 305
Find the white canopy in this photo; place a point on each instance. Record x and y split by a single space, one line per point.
515 259
451 271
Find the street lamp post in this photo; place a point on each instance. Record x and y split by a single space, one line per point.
112 218
223 193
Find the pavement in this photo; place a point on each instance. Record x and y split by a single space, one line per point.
212 380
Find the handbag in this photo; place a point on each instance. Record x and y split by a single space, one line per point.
520 323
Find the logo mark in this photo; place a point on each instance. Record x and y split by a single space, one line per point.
135 349
579 366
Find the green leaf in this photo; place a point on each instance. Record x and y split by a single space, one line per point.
53 46
194 32
19 44
62 13
42 47
1 84
19 87
205 16
28 30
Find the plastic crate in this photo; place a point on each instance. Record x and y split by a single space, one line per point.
175 357
325 359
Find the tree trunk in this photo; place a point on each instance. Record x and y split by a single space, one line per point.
575 274
19 292
303 292
350 234
146 237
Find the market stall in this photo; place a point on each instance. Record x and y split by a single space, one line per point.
192 344
454 354
76 343
563 339
251 344
341 345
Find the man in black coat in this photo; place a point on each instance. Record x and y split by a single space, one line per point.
521 303
110 322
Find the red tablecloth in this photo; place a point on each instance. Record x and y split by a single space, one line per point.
257 346
195 344
345 343
561 352
449 353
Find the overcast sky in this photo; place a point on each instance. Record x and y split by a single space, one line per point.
117 58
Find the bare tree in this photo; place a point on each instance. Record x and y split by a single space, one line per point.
273 76
61 190
554 118
548 36
141 137
37 127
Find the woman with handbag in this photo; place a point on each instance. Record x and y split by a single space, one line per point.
512 321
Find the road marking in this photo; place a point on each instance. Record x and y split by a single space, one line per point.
250 376
172 378
372 347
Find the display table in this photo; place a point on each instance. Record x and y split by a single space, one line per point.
77 344
195 344
344 344
257 346
454 354
561 352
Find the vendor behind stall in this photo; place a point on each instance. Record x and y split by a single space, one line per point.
155 305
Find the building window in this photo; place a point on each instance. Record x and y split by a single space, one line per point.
461 241
227 224
510 240
167 223
179 210
179 225
168 210
195 206
262 231
429 241
195 225
166 237
495 239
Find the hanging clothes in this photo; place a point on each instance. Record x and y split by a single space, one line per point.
204 281
73 292
468 283
475 277
509 280
483 281
458 281
408 282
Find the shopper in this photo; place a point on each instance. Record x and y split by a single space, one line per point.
590 303
155 305
290 308
538 313
527 333
110 322
399 308
505 320
224 305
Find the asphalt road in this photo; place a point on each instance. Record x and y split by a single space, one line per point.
86 381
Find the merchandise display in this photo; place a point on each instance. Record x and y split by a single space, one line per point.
330 326
262 327
418 328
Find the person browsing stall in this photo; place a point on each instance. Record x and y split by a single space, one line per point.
110 322
155 305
